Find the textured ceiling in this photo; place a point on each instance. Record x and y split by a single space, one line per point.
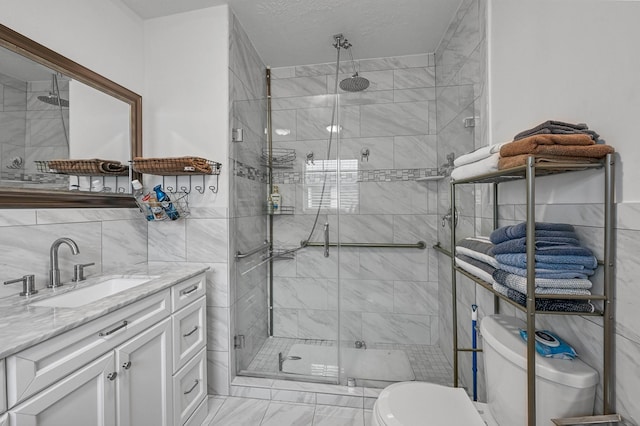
298 32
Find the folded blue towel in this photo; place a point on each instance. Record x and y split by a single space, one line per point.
542 247
549 273
515 259
543 229
548 261
518 282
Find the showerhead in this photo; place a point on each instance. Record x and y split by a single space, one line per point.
54 100
54 95
355 83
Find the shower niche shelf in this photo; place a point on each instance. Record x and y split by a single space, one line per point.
284 210
182 169
281 158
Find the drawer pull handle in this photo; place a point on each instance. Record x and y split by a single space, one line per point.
195 328
195 385
189 291
126 365
112 376
123 325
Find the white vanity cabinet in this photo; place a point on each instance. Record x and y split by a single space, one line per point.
118 369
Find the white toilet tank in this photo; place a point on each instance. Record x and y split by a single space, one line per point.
564 388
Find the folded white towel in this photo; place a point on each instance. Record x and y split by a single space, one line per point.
489 164
474 270
477 155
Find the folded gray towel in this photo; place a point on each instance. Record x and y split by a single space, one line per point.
558 127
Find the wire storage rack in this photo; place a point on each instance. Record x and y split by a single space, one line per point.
281 158
180 166
106 171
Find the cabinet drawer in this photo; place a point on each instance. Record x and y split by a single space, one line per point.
187 291
3 388
189 387
189 332
46 363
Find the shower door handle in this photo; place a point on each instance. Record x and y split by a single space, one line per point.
326 240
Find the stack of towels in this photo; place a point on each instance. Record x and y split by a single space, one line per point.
482 160
562 264
551 141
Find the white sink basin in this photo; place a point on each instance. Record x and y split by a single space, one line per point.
82 296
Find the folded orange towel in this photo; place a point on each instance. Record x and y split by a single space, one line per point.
172 165
521 160
529 144
91 166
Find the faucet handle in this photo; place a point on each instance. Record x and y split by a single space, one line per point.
78 271
28 284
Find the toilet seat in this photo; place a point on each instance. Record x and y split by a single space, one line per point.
421 404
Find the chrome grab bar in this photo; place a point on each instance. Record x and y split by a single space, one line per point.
264 246
326 240
419 245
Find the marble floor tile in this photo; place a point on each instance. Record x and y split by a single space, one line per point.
288 414
240 411
338 416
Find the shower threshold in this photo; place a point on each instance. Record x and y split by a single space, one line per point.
386 365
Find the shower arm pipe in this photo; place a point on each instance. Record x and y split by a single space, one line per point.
265 245
419 245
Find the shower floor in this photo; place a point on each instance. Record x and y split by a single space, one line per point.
427 362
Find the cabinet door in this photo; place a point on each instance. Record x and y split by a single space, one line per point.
144 384
86 397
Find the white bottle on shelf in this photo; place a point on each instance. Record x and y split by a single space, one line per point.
276 199
138 194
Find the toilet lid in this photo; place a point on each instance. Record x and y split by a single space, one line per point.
420 404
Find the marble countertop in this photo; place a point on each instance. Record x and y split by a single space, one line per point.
23 325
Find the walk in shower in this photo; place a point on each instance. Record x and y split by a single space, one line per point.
342 282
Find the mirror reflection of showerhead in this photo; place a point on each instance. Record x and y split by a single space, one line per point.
54 95
52 99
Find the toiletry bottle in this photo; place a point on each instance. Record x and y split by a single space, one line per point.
154 205
166 203
276 199
269 205
138 194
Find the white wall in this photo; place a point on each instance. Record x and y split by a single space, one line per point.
186 107
573 61
104 36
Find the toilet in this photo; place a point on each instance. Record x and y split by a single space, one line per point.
563 388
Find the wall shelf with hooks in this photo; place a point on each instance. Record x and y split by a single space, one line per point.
104 171
179 167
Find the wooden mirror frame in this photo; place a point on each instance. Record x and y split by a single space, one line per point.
42 198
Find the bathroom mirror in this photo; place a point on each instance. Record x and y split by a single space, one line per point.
53 108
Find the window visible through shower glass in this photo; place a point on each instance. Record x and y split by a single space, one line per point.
314 180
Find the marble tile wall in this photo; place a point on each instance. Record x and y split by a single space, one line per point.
246 314
460 94
385 295
112 238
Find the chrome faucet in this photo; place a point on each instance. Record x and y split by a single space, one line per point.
54 272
